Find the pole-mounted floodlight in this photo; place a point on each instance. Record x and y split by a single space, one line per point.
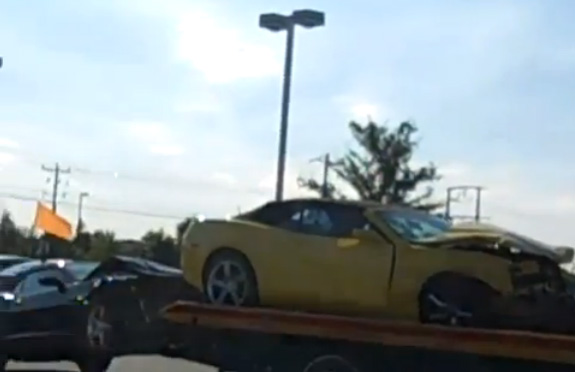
277 22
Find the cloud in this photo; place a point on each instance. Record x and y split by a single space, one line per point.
6 158
9 143
167 150
225 178
220 52
156 137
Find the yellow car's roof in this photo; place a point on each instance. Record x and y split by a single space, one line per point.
358 203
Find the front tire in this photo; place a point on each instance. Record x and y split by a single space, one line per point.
229 279
99 327
457 300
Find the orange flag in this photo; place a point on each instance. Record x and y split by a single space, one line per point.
51 223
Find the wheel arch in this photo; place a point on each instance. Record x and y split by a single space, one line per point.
216 252
449 275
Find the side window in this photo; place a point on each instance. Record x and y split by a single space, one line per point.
316 220
272 214
332 220
30 285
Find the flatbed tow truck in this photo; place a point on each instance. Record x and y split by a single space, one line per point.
260 339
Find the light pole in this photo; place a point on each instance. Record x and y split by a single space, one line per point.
277 22
80 205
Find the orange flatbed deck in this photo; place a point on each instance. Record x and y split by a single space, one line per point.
528 346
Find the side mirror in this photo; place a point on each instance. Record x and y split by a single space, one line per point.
364 234
53 282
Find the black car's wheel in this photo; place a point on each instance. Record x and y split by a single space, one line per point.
330 363
229 279
94 363
456 300
99 330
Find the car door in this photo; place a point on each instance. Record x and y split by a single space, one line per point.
44 307
337 271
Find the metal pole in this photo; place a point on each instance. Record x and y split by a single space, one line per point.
326 165
478 205
285 111
55 188
80 204
448 203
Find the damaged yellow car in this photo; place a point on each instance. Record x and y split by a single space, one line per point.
367 259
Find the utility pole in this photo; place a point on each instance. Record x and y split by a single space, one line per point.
464 189
327 163
57 171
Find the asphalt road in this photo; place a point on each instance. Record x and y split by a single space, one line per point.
123 364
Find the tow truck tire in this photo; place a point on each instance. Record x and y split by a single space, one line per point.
246 285
94 363
330 363
456 300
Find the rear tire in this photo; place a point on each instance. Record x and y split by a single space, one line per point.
229 279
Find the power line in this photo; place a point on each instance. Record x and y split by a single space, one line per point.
98 208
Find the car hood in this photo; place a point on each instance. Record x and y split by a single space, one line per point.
495 235
133 266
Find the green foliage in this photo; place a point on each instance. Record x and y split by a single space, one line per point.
380 168
103 244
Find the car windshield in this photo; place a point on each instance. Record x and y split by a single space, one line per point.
413 225
80 270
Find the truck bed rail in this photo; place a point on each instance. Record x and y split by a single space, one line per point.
494 343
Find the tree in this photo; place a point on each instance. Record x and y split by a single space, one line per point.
162 247
103 244
381 168
10 235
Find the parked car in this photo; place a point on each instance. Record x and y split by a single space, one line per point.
7 260
85 312
369 259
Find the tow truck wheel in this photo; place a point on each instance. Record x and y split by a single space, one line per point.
94 363
330 363
229 279
456 300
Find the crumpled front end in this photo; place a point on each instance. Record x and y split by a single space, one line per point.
539 300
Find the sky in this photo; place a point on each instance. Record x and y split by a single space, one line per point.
171 107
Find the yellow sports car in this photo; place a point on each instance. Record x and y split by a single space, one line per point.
367 259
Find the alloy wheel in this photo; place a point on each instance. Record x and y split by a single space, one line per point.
98 329
227 283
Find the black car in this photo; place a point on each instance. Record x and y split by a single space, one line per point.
43 317
84 311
